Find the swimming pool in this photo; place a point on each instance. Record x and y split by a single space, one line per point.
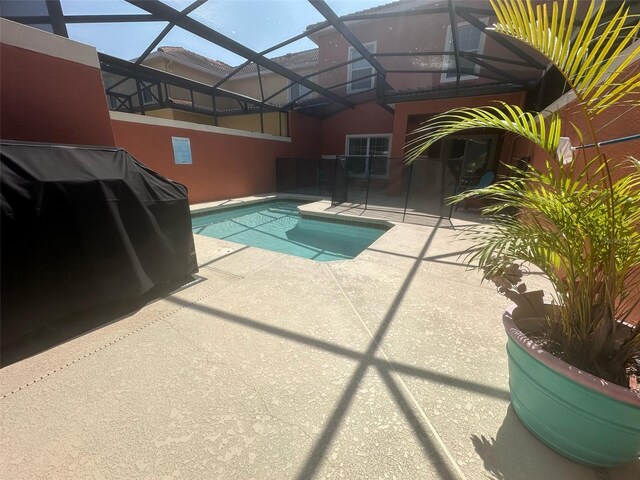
277 226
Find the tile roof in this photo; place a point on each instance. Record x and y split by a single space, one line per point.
215 66
290 60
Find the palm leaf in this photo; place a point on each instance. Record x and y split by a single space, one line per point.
543 131
585 54
578 223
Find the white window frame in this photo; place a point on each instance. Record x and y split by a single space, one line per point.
367 166
449 40
372 80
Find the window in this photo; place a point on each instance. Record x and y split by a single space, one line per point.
471 40
147 96
368 154
359 72
296 90
111 99
113 102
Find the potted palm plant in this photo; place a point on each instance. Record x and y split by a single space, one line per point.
573 362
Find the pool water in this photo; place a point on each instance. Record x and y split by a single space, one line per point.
277 226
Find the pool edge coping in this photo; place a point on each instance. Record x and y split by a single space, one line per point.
308 210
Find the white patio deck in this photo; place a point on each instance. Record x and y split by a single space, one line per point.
391 365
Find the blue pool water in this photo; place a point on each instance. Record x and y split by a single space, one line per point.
277 226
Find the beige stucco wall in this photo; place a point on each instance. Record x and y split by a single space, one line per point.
271 83
251 123
243 84
247 85
162 113
193 117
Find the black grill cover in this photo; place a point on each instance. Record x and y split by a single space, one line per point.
82 226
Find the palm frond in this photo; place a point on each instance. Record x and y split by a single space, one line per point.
578 223
543 131
585 54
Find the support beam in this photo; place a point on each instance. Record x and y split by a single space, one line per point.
148 88
452 93
125 68
272 49
380 90
463 13
117 84
502 60
412 54
501 72
164 11
484 12
454 39
167 29
262 97
57 18
140 98
120 97
324 70
387 108
426 70
339 25
463 71
489 75
337 85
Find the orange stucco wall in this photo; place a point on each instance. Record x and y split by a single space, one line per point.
433 107
224 166
49 99
620 120
412 33
367 118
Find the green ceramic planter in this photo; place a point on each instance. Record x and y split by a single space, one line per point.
578 415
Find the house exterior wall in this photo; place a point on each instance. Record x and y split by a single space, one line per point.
367 118
251 123
244 84
247 85
427 108
226 163
273 123
414 33
221 163
168 113
182 70
621 120
51 89
618 121
408 115
271 83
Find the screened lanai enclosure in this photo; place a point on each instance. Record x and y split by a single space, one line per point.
205 62
368 181
405 73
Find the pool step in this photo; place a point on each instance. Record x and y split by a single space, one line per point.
284 210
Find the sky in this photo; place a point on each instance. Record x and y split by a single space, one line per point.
258 24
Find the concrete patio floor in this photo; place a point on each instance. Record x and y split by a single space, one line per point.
391 365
